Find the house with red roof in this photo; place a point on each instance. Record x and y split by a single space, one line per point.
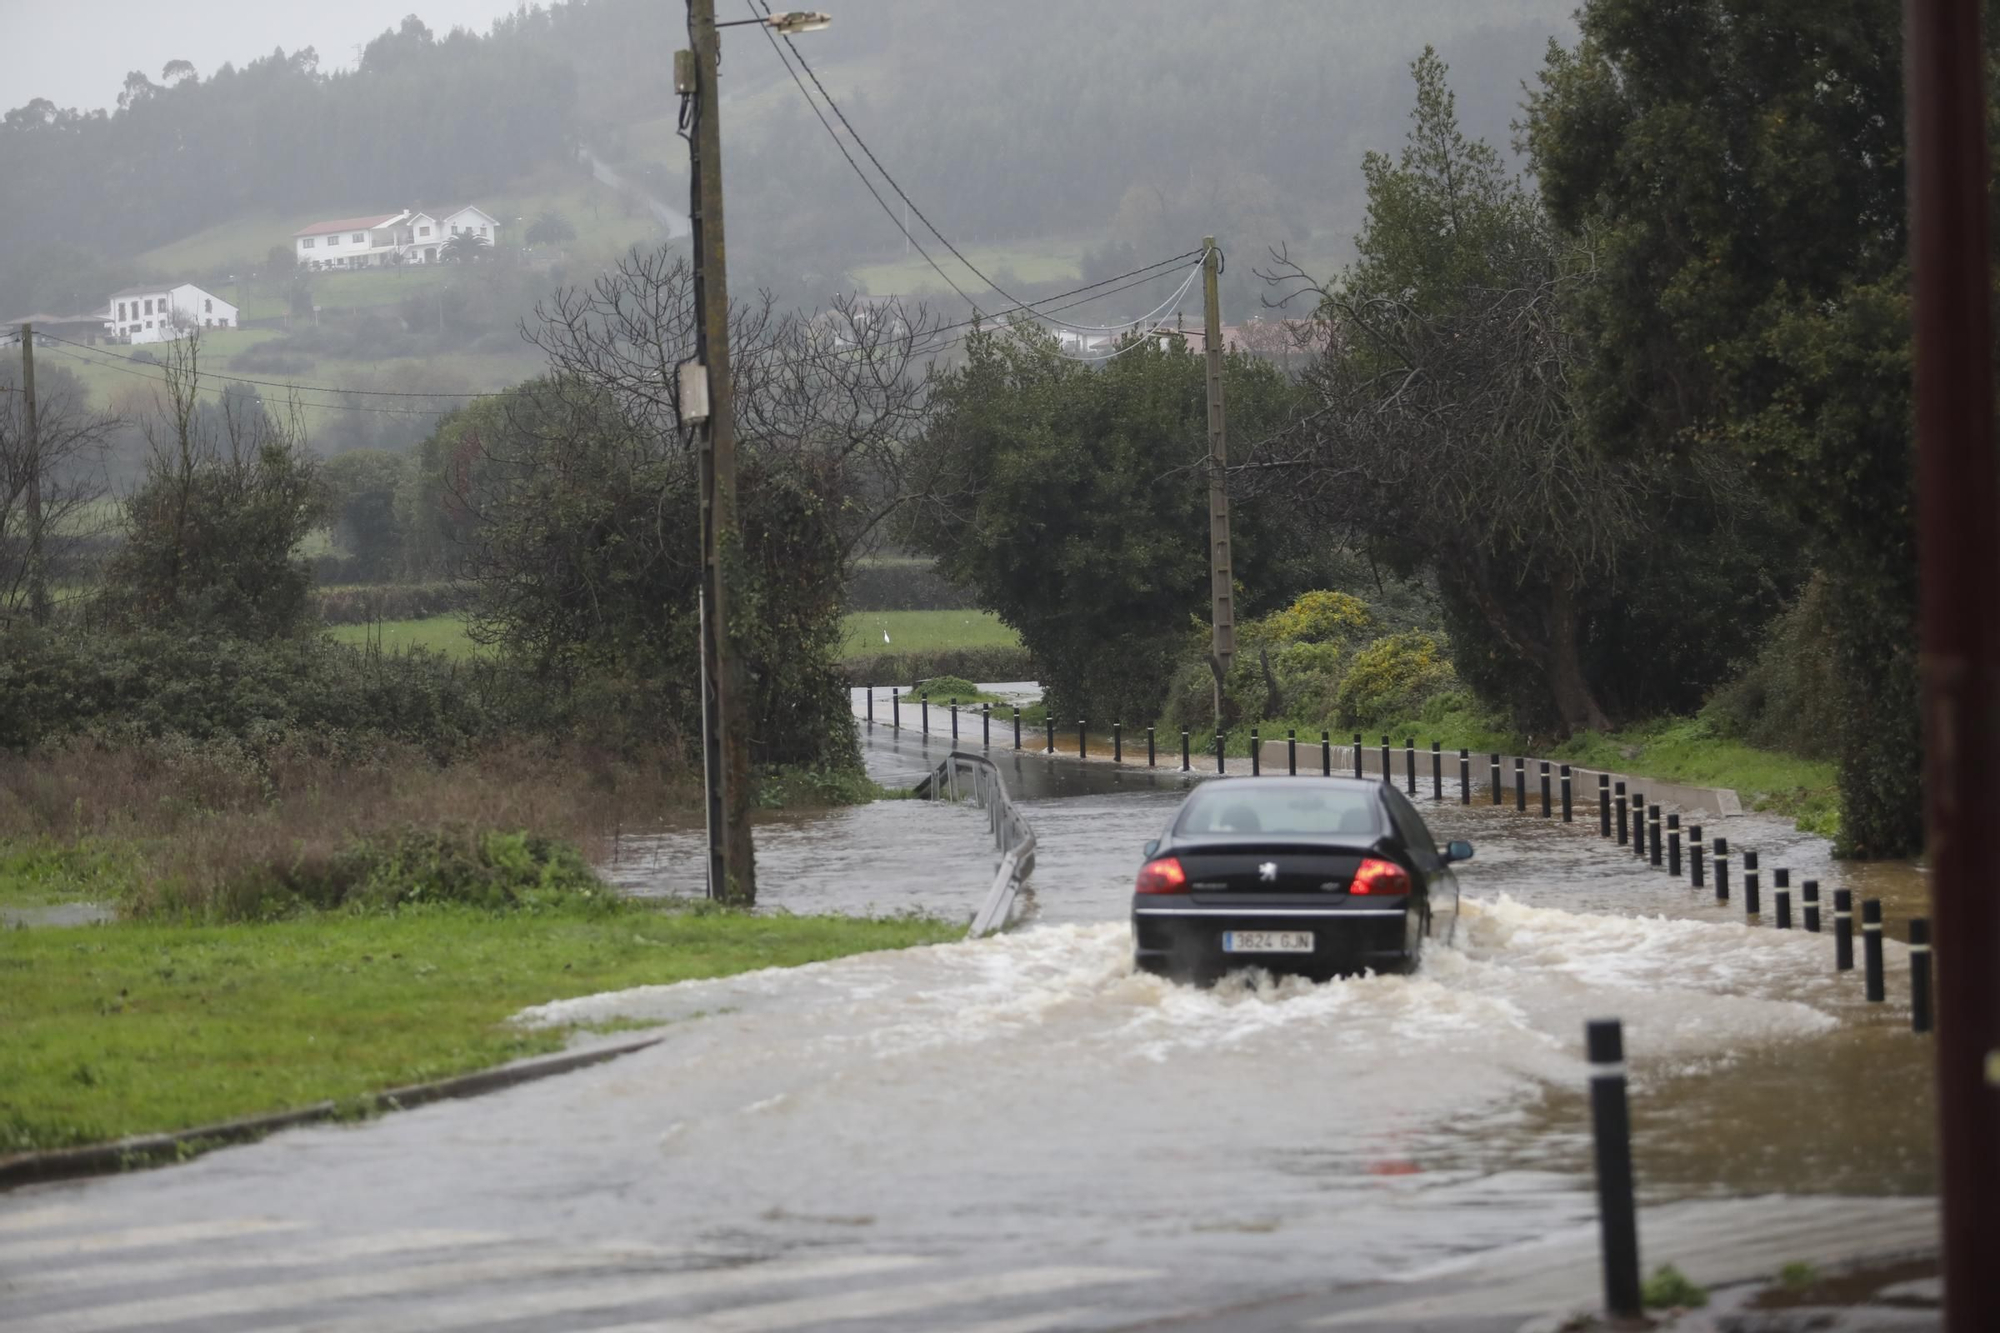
413 236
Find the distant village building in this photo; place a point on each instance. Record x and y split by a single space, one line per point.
413 236
161 312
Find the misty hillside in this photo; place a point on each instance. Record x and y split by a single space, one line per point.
1046 138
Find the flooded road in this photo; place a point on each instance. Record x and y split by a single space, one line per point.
1027 1104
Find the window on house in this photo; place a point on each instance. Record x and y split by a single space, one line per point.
482 231
149 308
423 231
333 240
359 237
305 243
121 312
207 305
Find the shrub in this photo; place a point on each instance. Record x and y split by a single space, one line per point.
1668 1288
947 687
1321 616
1393 677
1788 697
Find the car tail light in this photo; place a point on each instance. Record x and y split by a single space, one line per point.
1379 877
1162 876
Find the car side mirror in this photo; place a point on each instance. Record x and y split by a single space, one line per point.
1457 850
1152 845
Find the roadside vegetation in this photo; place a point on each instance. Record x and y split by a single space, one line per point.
145 1026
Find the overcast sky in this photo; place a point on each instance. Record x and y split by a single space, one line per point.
77 52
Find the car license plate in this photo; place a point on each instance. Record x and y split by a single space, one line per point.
1267 941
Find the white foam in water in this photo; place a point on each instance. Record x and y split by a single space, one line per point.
879 1084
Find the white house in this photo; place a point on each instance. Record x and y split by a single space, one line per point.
164 311
471 220
413 236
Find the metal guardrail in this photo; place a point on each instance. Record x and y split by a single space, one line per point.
960 776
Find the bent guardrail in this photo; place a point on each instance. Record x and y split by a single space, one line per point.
959 776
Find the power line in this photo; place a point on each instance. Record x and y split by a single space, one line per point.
133 368
863 176
840 115
300 388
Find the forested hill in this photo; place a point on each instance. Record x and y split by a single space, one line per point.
1110 125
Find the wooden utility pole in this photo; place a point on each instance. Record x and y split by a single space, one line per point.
1958 547
732 874
1222 602
38 583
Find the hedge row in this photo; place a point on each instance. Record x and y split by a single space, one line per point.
906 669
904 585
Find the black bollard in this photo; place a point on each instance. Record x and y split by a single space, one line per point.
1696 876
1410 764
1843 930
1221 765
1187 765
1082 749
1017 726
1722 870
954 721
1520 784
1545 789
1493 776
1752 905
986 726
1049 726
1639 825
1437 772
1920 974
1653 836
1357 754
1149 747
1291 752
1326 754
1566 794
1388 773
1611 1132
1674 846
1465 777
1809 904
871 705
1603 805
1117 742
1621 814
1781 895
1256 754
1871 948
924 701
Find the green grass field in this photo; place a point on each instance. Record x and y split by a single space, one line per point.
909 632
438 634
132 1028
923 632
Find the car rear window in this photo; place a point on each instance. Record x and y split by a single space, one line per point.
1224 807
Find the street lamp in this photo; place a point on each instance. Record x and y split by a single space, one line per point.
788 24
725 714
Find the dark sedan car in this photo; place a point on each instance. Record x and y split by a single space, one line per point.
1313 875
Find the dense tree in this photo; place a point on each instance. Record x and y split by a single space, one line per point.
211 533
361 489
1073 500
1739 166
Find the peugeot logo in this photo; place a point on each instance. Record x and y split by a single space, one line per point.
1268 872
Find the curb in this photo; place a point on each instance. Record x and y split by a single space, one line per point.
142 1149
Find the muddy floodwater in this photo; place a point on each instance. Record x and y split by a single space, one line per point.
1029 1099
1034 1086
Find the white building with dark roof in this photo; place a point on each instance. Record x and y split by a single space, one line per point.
162 311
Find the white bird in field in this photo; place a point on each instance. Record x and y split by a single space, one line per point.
885 636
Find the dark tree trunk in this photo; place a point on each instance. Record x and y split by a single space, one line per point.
1576 702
